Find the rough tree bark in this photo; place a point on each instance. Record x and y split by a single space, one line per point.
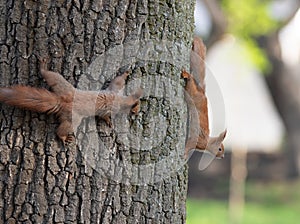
139 175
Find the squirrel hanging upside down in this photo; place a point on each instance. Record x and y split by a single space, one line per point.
70 104
196 91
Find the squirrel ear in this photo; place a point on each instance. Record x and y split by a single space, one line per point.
222 135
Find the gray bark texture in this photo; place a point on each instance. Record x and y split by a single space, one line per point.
131 173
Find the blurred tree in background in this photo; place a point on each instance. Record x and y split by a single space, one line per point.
253 22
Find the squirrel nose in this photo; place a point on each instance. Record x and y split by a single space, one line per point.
220 157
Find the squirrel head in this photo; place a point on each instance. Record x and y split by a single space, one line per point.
216 146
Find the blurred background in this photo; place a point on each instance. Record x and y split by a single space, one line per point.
253 51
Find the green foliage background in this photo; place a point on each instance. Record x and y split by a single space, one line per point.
248 20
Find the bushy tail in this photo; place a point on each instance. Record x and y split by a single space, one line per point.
197 65
39 100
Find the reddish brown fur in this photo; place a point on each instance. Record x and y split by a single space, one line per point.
69 104
196 91
39 100
197 60
198 96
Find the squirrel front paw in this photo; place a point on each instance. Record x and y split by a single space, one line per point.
185 74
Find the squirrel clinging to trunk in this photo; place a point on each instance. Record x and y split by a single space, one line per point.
195 88
70 104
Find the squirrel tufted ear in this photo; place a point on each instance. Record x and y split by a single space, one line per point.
222 135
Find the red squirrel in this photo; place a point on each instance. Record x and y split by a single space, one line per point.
70 104
196 91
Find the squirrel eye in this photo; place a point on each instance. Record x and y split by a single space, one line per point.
220 149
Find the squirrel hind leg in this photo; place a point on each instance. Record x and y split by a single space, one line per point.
57 82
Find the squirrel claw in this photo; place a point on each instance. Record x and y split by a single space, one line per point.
69 139
108 121
43 62
136 108
185 74
125 75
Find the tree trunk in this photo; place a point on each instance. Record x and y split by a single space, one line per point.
131 173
